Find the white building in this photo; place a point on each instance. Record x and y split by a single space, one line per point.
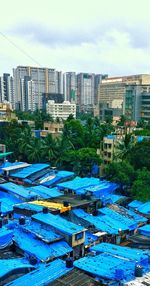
61 110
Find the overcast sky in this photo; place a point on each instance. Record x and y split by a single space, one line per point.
76 35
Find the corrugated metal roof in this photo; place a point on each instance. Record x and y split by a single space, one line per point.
45 192
75 278
129 223
135 204
103 223
79 183
145 209
29 170
42 231
32 246
19 190
137 255
45 274
16 166
58 223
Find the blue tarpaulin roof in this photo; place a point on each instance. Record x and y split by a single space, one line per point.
108 267
42 276
42 251
111 199
5 237
145 209
103 189
79 183
129 223
41 231
103 223
53 178
26 172
18 190
30 207
7 202
145 230
45 192
58 223
137 255
135 204
9 265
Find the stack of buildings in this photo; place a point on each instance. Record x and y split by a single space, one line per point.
32 88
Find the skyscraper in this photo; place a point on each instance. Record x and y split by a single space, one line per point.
44 80
70 86
7 88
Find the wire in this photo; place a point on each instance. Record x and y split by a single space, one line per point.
19 49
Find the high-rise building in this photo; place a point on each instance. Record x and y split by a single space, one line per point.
121 95
7 88
85 91
136 104
70 86
44 80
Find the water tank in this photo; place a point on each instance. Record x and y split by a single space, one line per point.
33 260
22 220
69 262
66 204
119 274
138 271
45 210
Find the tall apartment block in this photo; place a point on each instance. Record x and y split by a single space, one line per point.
87 90
31 82
7 89
123 95
70 86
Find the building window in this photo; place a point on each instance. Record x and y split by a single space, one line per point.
79 236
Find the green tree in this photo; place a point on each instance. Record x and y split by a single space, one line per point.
121 173
35 151
124 147
73 134
139 155
141 186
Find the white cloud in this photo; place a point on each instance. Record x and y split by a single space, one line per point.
95 36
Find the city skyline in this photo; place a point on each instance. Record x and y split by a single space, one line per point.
81 36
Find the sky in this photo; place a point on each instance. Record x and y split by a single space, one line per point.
110 37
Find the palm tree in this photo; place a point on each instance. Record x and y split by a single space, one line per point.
35 150
123 147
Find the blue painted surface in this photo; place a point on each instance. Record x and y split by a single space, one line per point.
56 177
30 207
129 223
44 192
145 230
79 183
9 265
135 204
111 199
9 164
137 255
26 172
45 274
42 251
5 237
58 223
145 209
104 189
7 202
42 231
18 190
102 223
105 266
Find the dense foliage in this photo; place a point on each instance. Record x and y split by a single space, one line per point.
76 150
